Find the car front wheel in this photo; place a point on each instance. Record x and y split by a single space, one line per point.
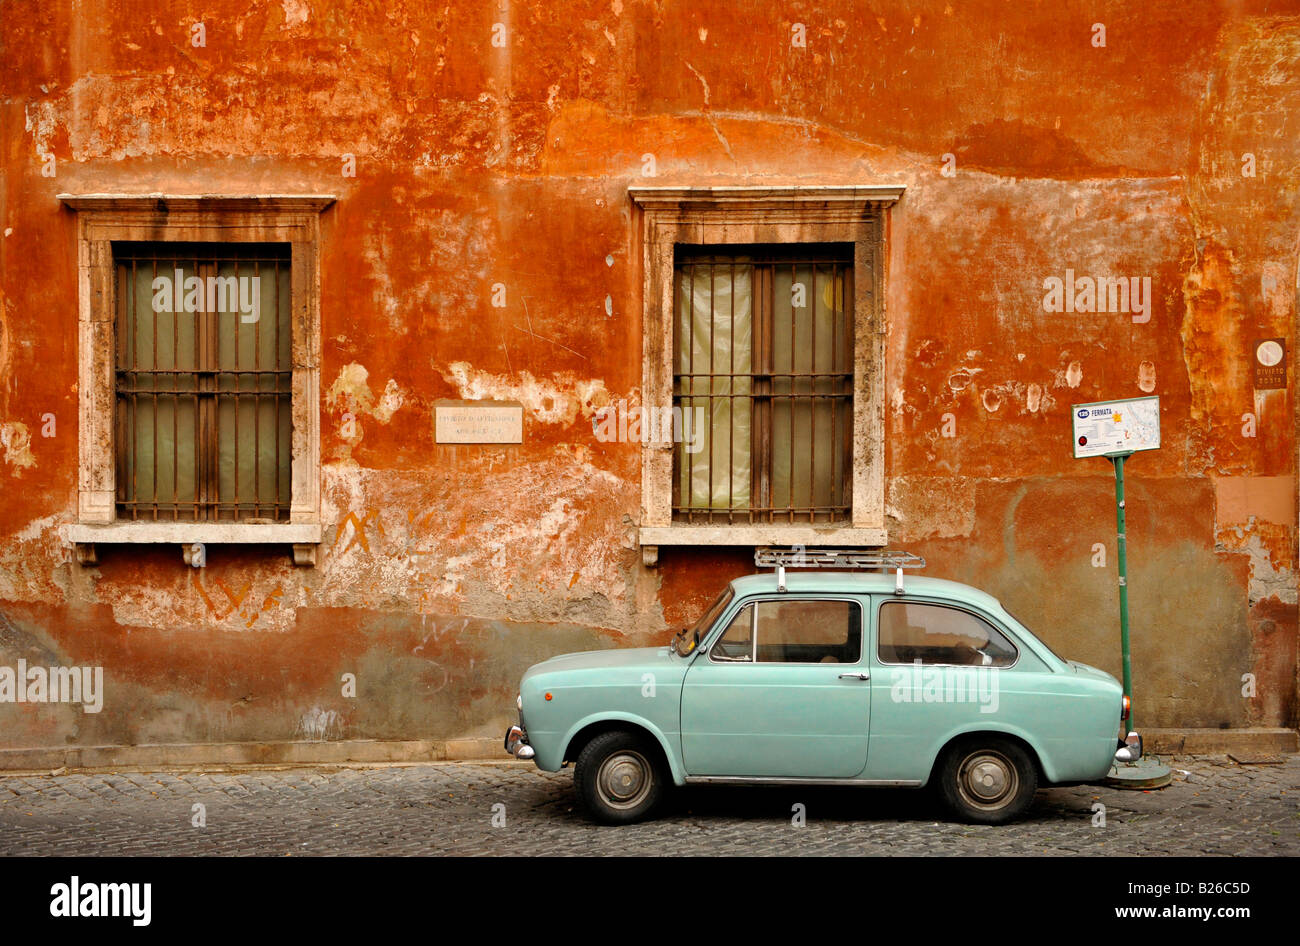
619 778
988 781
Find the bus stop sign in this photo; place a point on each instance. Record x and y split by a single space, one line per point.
1106 428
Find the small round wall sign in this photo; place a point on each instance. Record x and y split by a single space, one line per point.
1268 353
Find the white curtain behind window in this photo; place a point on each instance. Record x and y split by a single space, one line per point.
715 332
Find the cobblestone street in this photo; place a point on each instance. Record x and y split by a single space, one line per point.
1214 807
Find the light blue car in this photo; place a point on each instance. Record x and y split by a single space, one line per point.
827 678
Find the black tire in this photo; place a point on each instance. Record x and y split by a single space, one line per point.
619 777
987 780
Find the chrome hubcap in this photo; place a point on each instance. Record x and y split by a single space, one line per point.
624 779
987 779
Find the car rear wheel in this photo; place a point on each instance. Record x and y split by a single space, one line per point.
988 781
619 778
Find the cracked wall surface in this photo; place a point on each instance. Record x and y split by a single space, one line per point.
483 246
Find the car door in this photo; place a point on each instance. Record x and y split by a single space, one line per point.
782 692
937 667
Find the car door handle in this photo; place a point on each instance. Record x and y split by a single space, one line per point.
855 676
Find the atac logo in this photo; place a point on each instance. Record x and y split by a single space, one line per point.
1083 413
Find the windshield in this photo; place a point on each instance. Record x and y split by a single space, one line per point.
688 639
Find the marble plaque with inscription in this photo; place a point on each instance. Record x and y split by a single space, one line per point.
478 422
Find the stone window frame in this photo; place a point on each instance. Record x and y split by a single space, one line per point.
105 218
777 215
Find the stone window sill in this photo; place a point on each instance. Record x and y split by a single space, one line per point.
652 537
303 536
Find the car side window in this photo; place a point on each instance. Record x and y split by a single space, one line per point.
737 642
793 631
935 634
809 631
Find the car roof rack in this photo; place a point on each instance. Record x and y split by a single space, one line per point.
799 557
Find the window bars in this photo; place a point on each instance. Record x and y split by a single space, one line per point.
203 381
764 380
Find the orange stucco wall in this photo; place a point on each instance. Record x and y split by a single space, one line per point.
1026 148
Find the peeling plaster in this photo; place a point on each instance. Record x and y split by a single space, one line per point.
41 121
1073 374
1033 398
245 597
296 13
1267 579
352 390
1146 378
6 355
925 507
558 401
960 380
539 544
30 561
350 393
17 443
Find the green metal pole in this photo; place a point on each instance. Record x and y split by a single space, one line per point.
1146 772
1123 583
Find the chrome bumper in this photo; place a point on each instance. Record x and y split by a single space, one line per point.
517 743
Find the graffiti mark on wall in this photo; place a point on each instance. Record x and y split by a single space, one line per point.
415 521
320 724
359 529
414 544
221 610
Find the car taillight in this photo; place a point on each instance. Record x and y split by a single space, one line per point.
1127 706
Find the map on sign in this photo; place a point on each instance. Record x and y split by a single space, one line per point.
1108 427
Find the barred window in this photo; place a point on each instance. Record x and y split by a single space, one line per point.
763 359
203 381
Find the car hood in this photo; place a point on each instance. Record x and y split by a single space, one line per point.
596 659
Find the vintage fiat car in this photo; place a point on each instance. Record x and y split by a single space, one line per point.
831 678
